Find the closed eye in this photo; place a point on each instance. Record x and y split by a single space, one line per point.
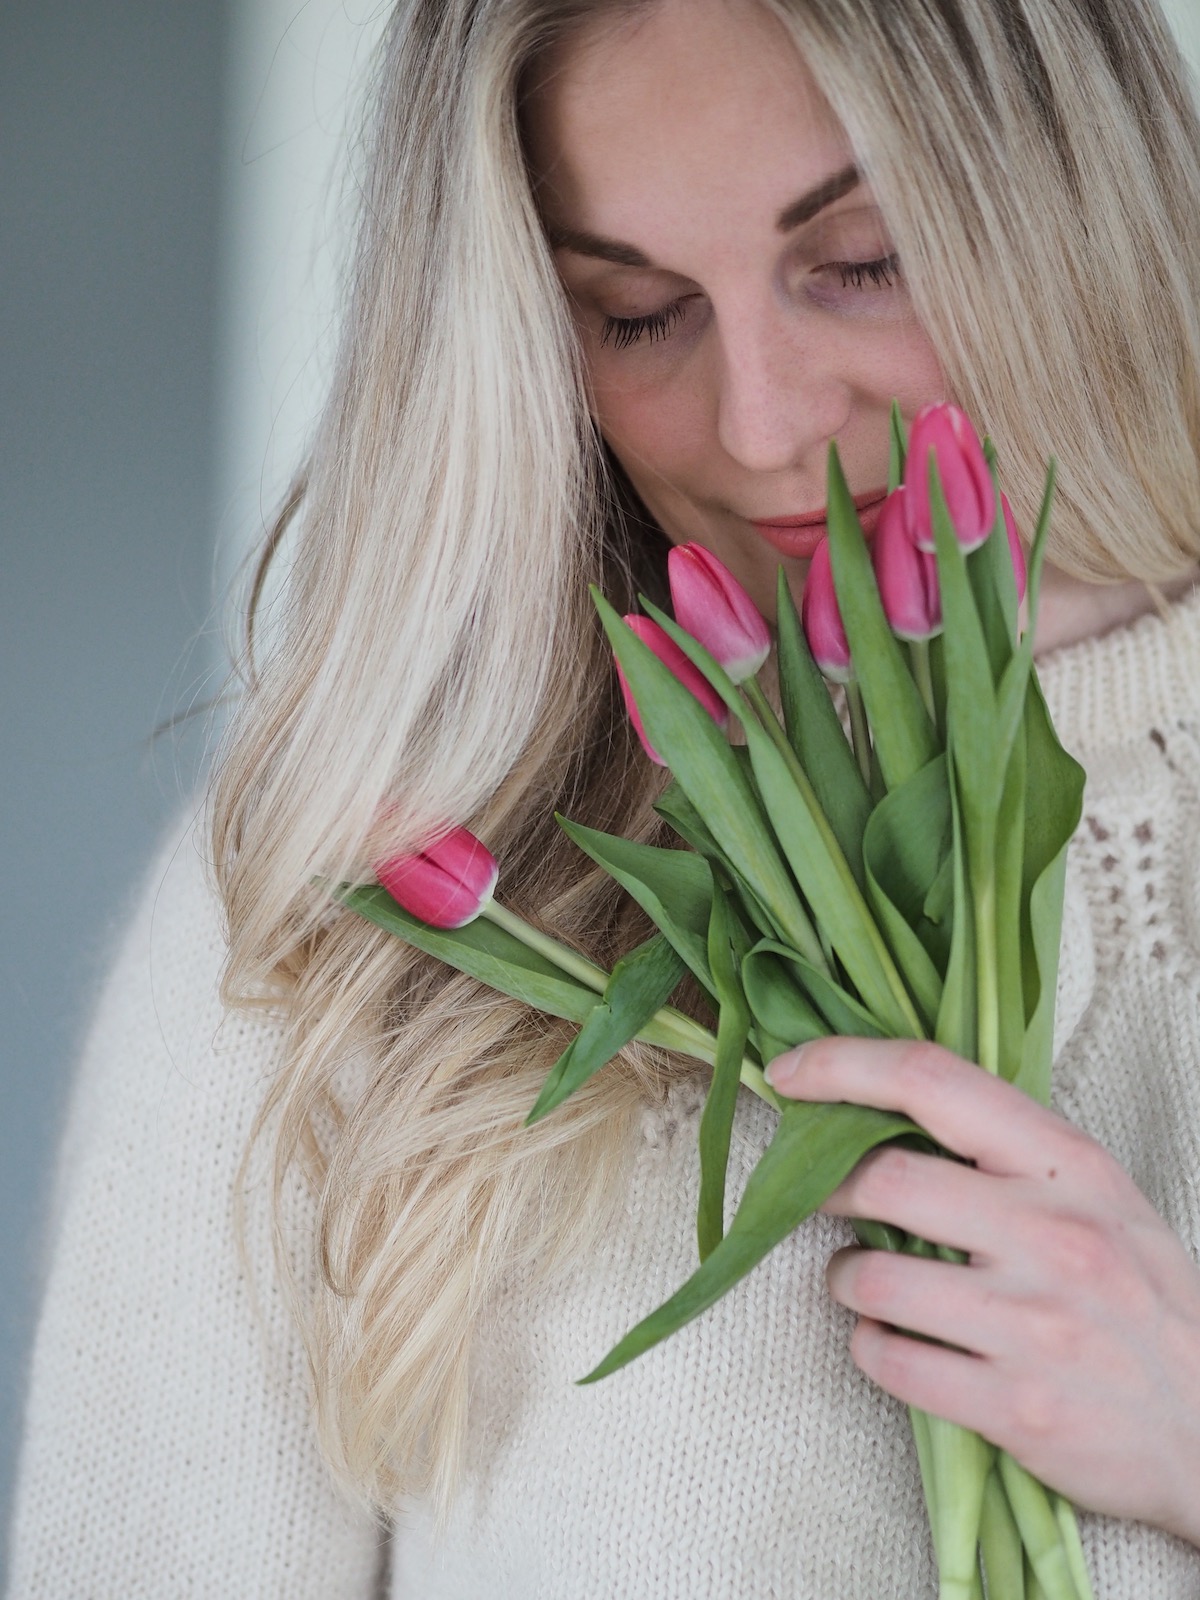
623 331
856 274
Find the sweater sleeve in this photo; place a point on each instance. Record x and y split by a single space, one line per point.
169 1448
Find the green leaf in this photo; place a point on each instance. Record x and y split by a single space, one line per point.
816 735
726 942
796 1001
812 851
1055 784
641 982
977 763
673 887
709 774
995 583
939 902
678 810
898 452
830 889
1010 848
957 1022
900 727
813 1149
908 843
483 951
783 1014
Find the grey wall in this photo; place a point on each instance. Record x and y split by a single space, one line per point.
109 157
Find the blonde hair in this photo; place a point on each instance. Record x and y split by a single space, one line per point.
437 660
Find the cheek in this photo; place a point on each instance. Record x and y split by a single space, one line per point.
913 374
661 436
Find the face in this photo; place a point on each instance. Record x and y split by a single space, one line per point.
738 299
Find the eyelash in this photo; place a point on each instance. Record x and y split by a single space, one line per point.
624 331
621 332
883 272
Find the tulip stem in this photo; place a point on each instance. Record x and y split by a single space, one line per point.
668 1028
566 959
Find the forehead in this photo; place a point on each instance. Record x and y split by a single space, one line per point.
653 117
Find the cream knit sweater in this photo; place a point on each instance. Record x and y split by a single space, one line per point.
168 1449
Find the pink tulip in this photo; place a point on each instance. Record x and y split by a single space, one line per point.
946 432
714 608
1015 547
447 884
823 620
907 576
669 653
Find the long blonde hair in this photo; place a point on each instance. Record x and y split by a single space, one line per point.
436 659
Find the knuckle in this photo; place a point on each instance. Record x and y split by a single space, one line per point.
1053 1334
1079 1250
1036 1412
921 1068
884 1177
874 1284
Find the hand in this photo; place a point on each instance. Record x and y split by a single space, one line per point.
1076 1317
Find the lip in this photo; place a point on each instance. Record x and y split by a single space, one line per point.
799 536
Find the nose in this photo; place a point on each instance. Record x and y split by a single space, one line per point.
780 395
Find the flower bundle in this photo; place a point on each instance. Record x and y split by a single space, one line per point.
903 882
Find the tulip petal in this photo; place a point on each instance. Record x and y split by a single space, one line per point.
447 883
715 609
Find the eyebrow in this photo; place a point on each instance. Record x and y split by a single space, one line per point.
800 211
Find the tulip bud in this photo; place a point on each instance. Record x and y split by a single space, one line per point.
907 576
714 608
946 433
669 653
446 884
822 619
1015 547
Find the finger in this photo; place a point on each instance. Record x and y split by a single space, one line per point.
966 1389
937 1299
961 1106
931 1196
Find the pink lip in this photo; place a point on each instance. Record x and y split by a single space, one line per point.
799 536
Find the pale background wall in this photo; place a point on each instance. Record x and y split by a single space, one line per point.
170 189
162 171
110 137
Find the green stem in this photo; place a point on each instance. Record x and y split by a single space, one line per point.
668 1028
860 730
1068 1527
1035 1517
1000 1543
962 1462
671 1030
920 1430
774 728
987 976
566 959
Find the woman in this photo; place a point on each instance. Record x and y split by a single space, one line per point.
625 270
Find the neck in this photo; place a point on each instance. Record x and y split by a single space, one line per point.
1071 609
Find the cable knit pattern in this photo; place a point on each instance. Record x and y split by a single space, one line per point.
169 1451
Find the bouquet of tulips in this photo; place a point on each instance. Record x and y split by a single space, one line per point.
904 881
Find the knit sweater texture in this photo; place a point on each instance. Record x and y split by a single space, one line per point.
169 1448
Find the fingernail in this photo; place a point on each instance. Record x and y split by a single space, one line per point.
784 1072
